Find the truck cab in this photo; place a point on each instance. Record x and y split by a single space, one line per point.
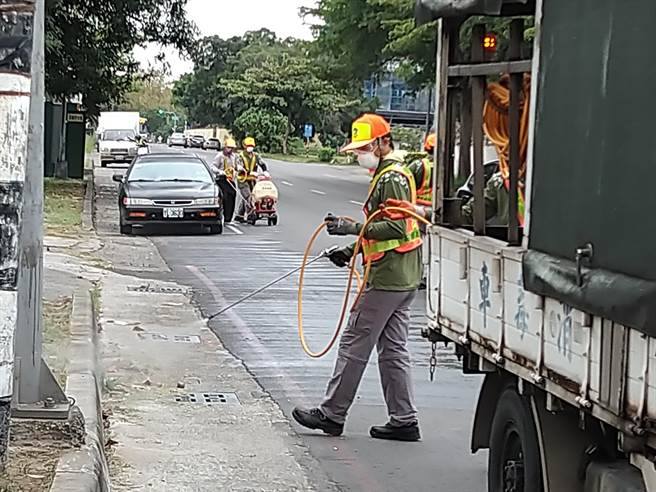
121 145
555 305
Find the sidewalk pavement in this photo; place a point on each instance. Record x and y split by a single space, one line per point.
183 414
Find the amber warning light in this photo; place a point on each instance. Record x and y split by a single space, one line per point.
490 42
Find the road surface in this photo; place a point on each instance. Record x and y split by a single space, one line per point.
262 333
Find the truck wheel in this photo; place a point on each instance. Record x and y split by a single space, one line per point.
216 229
514 458
125 229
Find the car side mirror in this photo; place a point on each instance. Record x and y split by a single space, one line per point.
118 178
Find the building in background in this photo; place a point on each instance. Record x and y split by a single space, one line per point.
399 103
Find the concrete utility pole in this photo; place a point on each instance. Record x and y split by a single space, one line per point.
37 394
16 31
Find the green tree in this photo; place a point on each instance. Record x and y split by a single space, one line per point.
89 44
266 125
234 78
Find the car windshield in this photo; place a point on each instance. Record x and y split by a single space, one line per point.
177 135
118 135
170 171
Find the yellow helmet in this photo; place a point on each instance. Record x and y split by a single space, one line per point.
230 142
249 142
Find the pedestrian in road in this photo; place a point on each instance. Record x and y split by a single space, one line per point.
249 163
422 171
226 162
381 318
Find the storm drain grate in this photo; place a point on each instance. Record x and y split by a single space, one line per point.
209 398
158 337
156 289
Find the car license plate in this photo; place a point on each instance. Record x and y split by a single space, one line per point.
173 213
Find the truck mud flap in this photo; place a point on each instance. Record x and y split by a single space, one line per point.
626 300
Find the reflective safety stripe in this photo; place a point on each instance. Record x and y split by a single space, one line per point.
374 250
520 202
250 162
425 191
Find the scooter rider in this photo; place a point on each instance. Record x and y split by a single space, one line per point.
249 163
226 162
382 316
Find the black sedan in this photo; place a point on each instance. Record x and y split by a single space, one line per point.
169 189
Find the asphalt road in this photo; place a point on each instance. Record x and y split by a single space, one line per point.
262 333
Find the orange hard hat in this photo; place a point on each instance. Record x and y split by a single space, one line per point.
430 142
366 129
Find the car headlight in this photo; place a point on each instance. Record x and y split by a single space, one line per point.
206 201
132 150
104 150
136 201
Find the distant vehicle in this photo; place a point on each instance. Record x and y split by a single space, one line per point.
117 146
169 189
119 120
212 144
196 141
466 191
177 140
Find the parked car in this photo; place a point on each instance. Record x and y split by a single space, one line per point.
212 144
177 140
196 141
169 189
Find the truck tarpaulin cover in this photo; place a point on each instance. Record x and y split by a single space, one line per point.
594 174
429 10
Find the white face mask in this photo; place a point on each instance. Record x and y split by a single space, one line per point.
368 160
250 149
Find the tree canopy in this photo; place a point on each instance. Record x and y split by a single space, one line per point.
235 79
90 43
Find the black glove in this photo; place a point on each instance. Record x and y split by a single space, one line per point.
340 226
340 257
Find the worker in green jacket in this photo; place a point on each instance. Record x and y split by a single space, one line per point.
382 316
497 203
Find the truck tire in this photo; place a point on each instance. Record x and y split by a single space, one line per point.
514 457
125 229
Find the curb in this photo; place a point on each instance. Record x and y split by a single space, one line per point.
85 469
88 210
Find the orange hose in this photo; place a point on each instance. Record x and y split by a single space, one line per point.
496 122
352 273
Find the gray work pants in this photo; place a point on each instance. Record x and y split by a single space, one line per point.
245 203
381 319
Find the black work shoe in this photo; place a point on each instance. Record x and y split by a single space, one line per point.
314 418
408 432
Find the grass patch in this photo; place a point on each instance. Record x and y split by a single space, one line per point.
339 160
56 335
62 206
90 144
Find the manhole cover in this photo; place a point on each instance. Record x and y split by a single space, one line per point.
209 398
158 337
156 289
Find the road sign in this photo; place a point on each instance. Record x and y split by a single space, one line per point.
308 130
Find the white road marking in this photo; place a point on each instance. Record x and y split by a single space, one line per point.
235 229
287 183
318 192
359 204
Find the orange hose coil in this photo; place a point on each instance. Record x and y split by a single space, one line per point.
352 273
496 122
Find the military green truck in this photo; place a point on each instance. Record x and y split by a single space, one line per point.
556 308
